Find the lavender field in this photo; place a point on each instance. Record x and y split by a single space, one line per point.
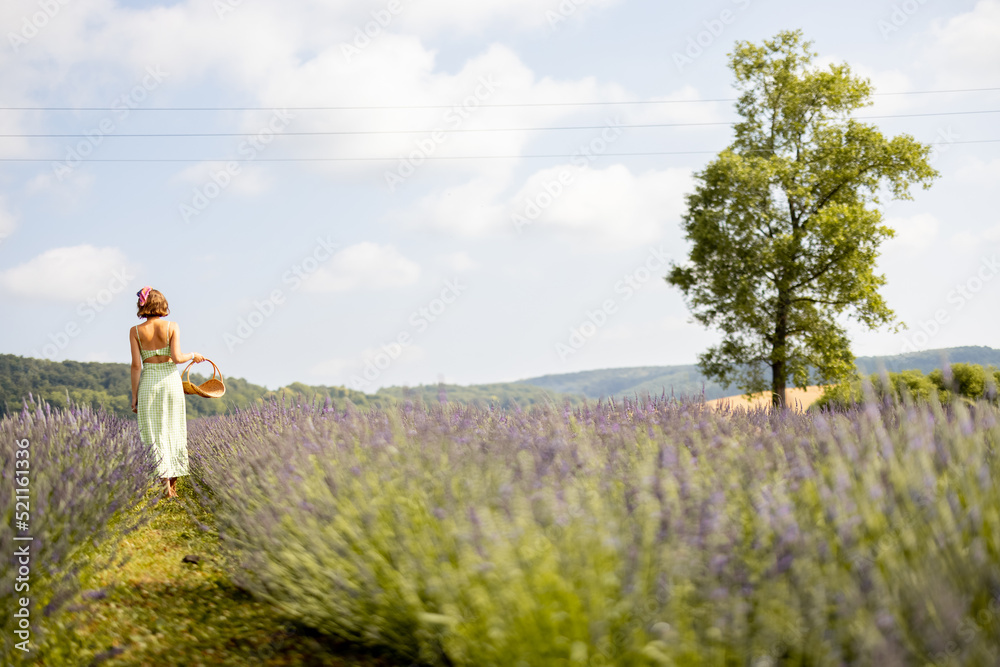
77 471
650 533
638 533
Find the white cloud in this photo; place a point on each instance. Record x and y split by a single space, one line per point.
397 69
992 235
965 49
364 265
8 223
470 209
431 16
914 233
460 262
608 208
978 172
96 52
71 273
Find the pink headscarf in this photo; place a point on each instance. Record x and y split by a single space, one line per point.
143 294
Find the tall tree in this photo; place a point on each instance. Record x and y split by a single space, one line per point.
785 225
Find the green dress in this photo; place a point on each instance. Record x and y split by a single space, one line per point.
162 413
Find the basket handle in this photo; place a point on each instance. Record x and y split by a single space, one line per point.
187 370
215 369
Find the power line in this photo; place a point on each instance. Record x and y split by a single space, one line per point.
431 157
450 106
453 130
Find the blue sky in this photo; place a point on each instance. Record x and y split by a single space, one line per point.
496 267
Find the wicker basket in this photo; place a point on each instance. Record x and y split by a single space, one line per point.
210 388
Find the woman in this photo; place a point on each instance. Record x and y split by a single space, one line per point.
157 395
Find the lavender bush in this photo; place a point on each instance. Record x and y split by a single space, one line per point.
640 533
83 467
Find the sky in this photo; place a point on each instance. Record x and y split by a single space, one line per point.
384 201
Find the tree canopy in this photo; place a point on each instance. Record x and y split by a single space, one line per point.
785 224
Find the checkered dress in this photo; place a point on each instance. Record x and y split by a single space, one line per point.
162 413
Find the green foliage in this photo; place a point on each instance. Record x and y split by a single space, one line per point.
967 382
785 226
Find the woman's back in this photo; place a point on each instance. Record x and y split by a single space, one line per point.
154 334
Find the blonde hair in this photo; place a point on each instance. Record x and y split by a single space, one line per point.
155 306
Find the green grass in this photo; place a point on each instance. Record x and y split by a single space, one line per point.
158 610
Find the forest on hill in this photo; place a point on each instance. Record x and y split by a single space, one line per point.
107 384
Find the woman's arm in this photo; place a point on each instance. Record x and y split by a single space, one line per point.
175 347
136 369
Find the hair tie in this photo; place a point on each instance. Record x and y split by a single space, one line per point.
143 294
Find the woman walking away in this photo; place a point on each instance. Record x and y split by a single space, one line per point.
157 394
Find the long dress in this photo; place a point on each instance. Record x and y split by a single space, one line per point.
162 413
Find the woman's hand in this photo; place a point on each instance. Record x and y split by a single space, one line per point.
197 358
135 406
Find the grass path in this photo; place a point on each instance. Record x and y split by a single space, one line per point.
157 610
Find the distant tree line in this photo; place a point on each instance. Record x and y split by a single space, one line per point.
108 385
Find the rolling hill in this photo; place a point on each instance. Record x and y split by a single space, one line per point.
688 381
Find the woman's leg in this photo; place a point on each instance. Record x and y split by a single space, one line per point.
172 484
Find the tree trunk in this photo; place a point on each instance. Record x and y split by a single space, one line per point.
778 389
778 358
